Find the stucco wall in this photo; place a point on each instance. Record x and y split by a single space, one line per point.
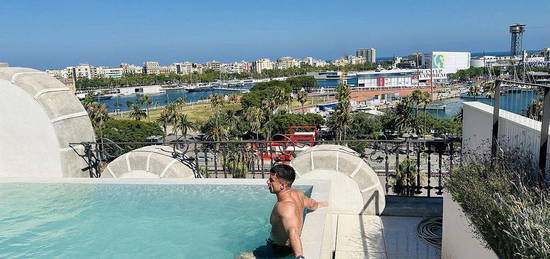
514 131
28 144
40 117
458 239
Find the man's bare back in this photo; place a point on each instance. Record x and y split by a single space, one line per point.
287 215
295 203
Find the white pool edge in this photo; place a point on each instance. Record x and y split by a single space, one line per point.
314 223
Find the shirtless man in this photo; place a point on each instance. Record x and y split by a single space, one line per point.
287 215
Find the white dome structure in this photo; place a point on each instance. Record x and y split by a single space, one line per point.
40 117
355 187
148 162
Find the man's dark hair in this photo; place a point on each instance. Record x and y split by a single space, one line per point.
284 172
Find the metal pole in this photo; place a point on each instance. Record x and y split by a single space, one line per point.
496 109
544 132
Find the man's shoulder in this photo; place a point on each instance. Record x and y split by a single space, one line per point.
285 206
297 192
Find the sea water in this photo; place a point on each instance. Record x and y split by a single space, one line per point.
133 220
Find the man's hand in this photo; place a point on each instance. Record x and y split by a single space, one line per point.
322 204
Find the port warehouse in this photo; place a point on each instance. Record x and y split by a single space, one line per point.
435 65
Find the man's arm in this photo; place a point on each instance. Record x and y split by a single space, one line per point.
312 204
290 223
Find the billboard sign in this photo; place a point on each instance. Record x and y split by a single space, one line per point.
380 81
438 61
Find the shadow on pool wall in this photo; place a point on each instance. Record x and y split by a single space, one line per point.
148 162
40 117
356 188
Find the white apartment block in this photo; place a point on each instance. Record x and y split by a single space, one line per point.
310 61
287 62
109 72
340 62
214 65
131 69
236 67
353 60
165 70
82 71
262 64
151 68
184 68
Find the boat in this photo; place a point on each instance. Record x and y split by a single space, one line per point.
468 96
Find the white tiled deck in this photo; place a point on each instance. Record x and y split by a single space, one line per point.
380 237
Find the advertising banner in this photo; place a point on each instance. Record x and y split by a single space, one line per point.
380 81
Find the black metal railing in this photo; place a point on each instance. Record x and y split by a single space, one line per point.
405 167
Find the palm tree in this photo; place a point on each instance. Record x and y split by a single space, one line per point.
145 100
343 111
302 99
404 119
165 119
97 113
184 124
171 116
129 104
137 113
180 102
216 100
279 96
254 117
425 100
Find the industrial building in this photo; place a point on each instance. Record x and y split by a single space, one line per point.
399 78
446 62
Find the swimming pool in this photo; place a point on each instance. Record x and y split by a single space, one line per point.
80 220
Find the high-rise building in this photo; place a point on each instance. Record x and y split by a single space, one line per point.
369 54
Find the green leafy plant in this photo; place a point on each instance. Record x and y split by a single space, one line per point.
506 202
406 177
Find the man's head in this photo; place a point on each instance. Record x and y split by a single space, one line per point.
281 178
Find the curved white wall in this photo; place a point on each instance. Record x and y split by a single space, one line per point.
355 187
28 144
39 119
148 162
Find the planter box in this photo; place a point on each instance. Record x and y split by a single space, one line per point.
458 238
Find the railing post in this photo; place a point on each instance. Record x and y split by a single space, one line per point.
496 109
544 133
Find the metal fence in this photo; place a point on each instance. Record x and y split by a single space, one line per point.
406 167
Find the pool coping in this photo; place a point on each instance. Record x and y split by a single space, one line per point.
314 224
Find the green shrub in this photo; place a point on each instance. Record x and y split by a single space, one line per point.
406 175
506 203
126 131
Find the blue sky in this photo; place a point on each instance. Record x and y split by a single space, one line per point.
54 33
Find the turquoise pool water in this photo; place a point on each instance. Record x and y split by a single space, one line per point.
132 221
